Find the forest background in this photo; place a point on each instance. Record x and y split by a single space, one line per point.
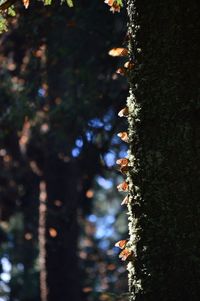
59 100
59 97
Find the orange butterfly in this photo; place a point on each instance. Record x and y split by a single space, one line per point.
124 112
121 71
122 162
121 243
123 136
115 7
123 186
126 254
110 2
26 3
118 52
129 65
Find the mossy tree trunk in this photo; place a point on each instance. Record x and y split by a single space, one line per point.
164 126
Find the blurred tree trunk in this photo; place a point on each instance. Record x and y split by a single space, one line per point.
165 150
62 231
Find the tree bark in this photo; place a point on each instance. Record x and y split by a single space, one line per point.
164 150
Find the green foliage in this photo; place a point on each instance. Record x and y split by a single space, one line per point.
11 11
47 2
120 2
3 24
70 3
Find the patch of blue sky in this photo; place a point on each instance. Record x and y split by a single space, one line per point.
108 116
105 183
92 218
109 219
103 231
100 232
110 159
108 127
104 244
79 142
115 140
123 154
75 152
95 123
89 135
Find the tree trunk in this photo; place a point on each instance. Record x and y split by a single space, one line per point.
164 150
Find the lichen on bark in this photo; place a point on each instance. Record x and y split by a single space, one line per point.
133 174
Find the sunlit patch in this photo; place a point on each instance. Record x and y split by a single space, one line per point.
25 135
58 101
104 297
11 66
2 152
53 232
7 158
34 167
58 203
28 236
87 289
89 194
44 128
40 52
43 192
83 255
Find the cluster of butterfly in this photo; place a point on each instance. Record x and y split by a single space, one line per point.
124 245
26 3
115 5
126 253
